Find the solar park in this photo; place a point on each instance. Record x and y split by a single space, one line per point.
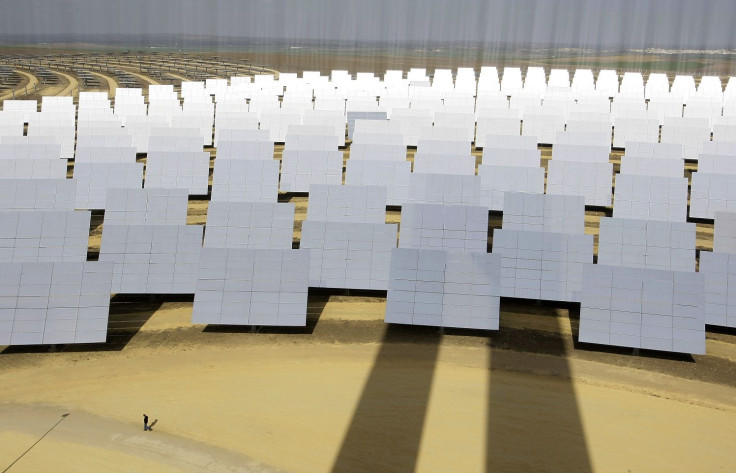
456 202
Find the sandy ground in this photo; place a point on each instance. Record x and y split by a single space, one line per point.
350 394
29 80
353 395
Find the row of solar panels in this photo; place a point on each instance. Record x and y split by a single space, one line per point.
535 80
532 264
447 231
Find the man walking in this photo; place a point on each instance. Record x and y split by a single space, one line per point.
145 423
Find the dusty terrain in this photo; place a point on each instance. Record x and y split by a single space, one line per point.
348 393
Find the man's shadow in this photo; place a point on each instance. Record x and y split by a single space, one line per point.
150 426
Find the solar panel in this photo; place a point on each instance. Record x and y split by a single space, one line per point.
44 236
595 112
705 108
371 127
35 168
559 78
544 212
107 154
662 108
444 189
51 303
241 150
21 150
247 134
152 259
582 81
363 104
146 207
488 79
463 165
512 157
496 181
245 181
543 125
642 166
238 286
727 148
37 194
511 80
632 85
437 146
62 132
583 138
542 265
229 123
393 139
178 170
354 115
628 107
723 132
444 289
580 153
643 308
347 204
593 180
348 255
94 179
724 232
10 128
414 127
183 140
108 131
302 168
647 244
27 107
657 84
651 198
448 227
710 193
311 142
249 225
589 125
716 163
510 141
718 270
558 106
526 100
377 152
328 103
710 86
140 128
635 129
607 83
461 121
437 133
690 132
394 176
655 150
201 122
335 129
507 123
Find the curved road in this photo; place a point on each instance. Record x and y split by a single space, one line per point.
73 83
140 76
61 90
111 83
32 81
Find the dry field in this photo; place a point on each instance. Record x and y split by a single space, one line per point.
348 393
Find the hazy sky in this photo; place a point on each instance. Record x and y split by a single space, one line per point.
582 23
